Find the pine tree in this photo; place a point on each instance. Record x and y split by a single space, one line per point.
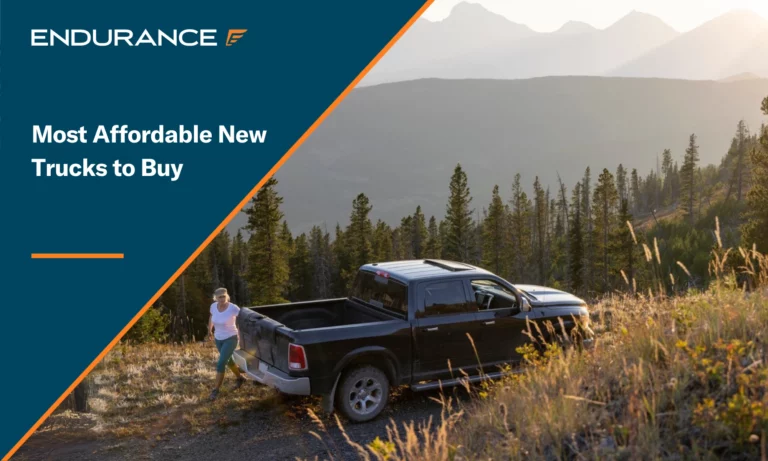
741 141
666 170
399 250
359 237
621 183
626 247
173 301
476 257
239 260
342 262
194 294
300 270
755 230
406 235
576 242
459 238
540 230
418 234
520 231
220 260
442 228
675 184
652 191
605 202
382 242
563 220
742 163
285 234
587 236
688 176
321 263
557 244
635 191
267 258
433 249
287 237
562 203
494 230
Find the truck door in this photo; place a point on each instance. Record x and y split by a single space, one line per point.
442 322
502 323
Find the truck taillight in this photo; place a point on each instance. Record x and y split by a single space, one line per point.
297 358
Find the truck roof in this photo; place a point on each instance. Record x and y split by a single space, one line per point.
419 269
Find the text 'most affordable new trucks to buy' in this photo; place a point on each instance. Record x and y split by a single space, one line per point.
404 323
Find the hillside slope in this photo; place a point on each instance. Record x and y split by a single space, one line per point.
399 143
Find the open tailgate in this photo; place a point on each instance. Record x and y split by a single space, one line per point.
261 339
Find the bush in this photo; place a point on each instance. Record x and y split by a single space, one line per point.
151 327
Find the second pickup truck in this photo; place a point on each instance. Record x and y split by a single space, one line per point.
404 323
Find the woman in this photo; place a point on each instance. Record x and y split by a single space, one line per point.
223 332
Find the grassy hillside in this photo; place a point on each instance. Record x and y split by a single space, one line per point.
415 133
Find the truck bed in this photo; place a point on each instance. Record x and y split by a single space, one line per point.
266 331
320 314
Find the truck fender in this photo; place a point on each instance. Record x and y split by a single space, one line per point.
391 369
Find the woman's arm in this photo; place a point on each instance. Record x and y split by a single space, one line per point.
237 312
210 327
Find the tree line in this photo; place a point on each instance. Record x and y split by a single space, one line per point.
591 238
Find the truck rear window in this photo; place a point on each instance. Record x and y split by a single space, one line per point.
381 292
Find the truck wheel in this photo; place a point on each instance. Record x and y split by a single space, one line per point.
362 394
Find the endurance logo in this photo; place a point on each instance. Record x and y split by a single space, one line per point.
235 35
128 37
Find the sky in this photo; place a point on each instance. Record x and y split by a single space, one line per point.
549 15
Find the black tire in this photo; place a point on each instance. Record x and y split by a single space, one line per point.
362 394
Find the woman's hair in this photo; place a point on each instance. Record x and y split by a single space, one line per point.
220 291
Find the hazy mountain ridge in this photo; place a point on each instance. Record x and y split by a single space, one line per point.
399 142
473 42
575 27
726 45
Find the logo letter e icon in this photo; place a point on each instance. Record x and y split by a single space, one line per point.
235 35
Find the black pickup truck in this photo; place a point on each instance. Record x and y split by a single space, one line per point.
404 323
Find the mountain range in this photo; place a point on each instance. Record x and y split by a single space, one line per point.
399 142
473 42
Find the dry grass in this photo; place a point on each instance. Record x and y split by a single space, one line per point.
669 378
154 390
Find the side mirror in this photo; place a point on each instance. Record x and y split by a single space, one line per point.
525 305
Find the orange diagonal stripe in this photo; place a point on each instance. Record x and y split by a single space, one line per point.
221 226
78 255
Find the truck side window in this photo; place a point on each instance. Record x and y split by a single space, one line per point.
442 298
381 292
490 294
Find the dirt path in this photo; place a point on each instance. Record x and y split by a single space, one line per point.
279 432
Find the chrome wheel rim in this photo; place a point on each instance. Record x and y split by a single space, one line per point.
365 395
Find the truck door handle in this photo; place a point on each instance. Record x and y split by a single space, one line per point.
431 329
490 322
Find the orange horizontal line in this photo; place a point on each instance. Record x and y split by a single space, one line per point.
78 255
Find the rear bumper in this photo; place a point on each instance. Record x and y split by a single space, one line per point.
268 375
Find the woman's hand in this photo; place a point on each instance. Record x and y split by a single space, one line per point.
210 335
